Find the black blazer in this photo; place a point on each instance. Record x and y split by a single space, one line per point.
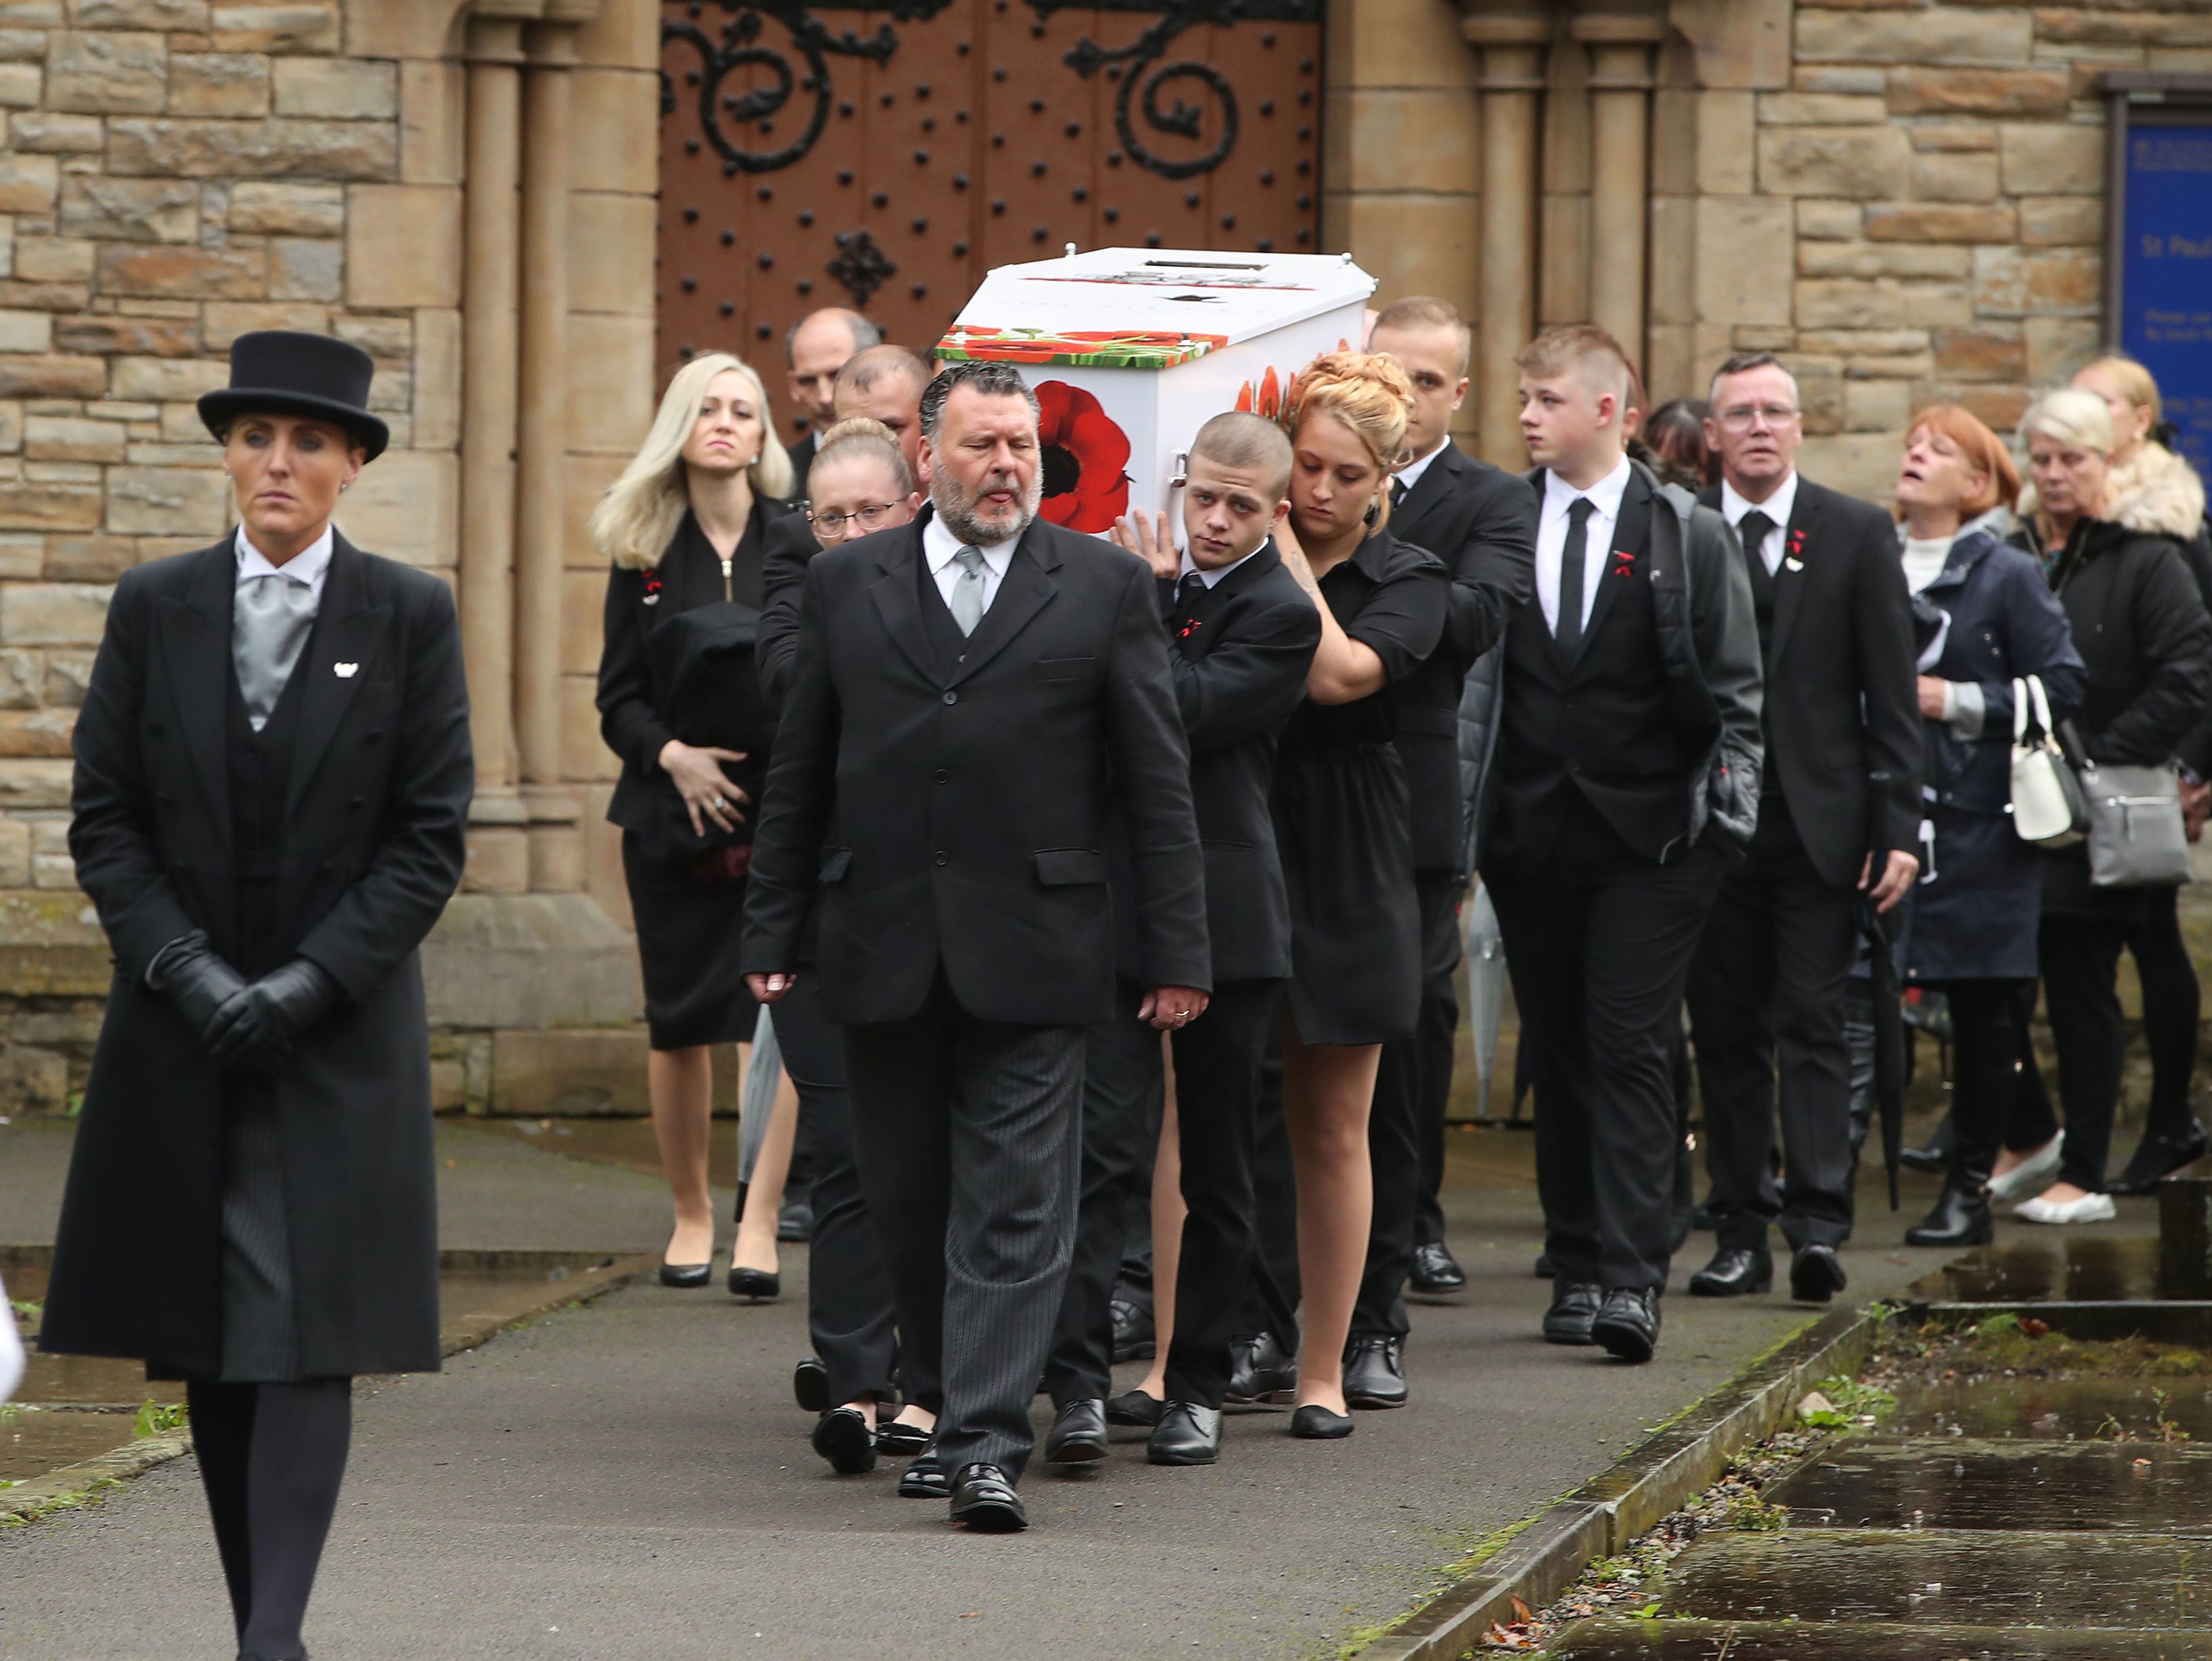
1240 671
953 813
1841 689
1480 521
381 781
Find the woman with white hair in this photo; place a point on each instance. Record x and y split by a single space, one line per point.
2145 643
679 702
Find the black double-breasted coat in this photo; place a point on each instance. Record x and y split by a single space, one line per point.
381 777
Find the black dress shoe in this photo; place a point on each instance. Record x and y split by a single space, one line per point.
1934 1159
1134 1338
2159 1155
1133 1407
1260 1370
1315 1423
1961 1218
1574 1306
1546 1271
896 1441
1375 1370
1436 1271
810 1384
1187 1434
795 1222
1733 1272
1627 1323
1077 1436
924 1479
1816 1274
842 1437
754 1286
686 1275
986 1501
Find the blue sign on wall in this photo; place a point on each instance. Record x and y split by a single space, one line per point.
2166 290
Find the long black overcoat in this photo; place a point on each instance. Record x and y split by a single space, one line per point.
381 781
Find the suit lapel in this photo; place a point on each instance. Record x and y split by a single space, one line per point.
1026 589
897 603
1789 575
348 633
196 646
1629 535
1435 480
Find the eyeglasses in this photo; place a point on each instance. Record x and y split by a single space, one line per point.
869 518
1739 417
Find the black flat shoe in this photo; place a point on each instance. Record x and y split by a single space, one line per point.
1315 1423
1961 1218
1260 1370
924 1479
1574 1306
810 1382
1735 1272
754 1286
2159 1155
1135 1336
1077 1436
986 1501
842 1437
1627 1323
1187 1434
896 1441
1133 1407
1816 1274
1437 1273
1934 1159
687 1276
794 1223
1375 1370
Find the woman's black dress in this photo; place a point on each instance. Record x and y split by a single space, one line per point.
688 904
1342 818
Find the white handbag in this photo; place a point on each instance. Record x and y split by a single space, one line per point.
2047 806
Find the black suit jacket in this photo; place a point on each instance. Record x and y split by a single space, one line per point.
1841 698
1240 658
954 814
1480 521
374 829
802 458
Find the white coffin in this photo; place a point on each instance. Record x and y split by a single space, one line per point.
1130 350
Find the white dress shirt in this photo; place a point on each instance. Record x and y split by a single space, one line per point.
1552 538
307 568
1410 474
1209 578
1778 508
939 545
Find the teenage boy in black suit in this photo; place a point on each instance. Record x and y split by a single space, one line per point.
1243 635
1767 988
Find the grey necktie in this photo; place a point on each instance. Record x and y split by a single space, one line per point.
270 616
967 590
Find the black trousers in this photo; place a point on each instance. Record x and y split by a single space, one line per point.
1766 996
849 1299
272 1458
1272 1291
2170 1008
1598 939
968 1135
1989 1036
1406 1130
2081 962
1217 1065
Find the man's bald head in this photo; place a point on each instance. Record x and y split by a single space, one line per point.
817 347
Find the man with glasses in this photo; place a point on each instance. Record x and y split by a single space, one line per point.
1767 988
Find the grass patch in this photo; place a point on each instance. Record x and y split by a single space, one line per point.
159 1419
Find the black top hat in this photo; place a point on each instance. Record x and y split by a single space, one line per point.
287 372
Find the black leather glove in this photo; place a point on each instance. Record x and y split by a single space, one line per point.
197 980
254 1029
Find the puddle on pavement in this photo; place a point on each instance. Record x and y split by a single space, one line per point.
1614 1639
2134 1486
2057 1409
2067 1270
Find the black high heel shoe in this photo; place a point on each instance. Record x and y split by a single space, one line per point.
754 1286
687 1276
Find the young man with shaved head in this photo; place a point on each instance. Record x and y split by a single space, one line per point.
1619 759
819 345
1242 634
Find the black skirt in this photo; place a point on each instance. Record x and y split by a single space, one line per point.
688 933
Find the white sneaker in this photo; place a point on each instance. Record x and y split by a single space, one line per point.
2030 1173
2090 1208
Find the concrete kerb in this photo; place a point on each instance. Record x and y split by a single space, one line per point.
582 1276
1663 1473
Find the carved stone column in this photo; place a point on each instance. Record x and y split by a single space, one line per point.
1620 48
1512 46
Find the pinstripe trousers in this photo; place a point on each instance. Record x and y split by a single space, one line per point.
969 1138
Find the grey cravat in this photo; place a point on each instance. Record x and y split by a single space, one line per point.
270 616
968 589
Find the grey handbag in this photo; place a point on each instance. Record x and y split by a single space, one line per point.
2135 835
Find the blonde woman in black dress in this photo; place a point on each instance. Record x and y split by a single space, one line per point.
1345 832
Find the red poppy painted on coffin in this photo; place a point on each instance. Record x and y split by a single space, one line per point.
1085 459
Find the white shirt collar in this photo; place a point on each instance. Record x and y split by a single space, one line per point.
1410 474
1778 506
307 568
939 545
1605 495
1210 578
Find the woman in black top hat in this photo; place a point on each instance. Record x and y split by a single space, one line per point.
272 782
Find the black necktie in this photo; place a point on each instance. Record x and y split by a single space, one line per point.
1753 529
1188 593
1569 630
1397 493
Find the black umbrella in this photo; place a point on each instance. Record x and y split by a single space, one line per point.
1881 963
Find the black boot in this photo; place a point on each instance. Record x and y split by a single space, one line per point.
2160 1154
1961 1218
